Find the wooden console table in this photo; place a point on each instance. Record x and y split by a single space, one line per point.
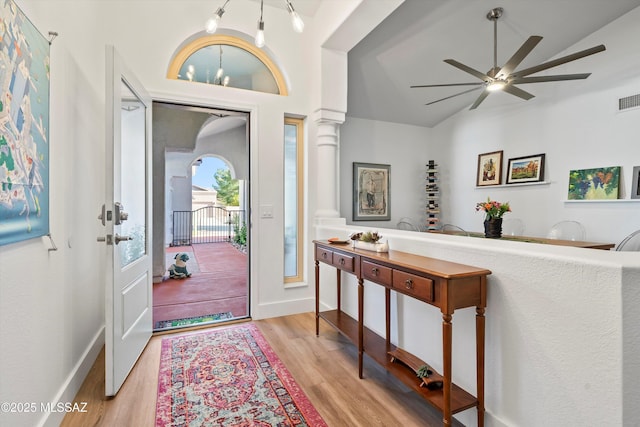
445 285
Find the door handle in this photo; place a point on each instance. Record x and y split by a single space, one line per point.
103 216
120 214
108 239
118 238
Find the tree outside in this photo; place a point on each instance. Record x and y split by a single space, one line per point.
228 188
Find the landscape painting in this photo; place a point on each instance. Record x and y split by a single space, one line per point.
594 184
526 169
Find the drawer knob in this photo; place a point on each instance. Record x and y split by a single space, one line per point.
324 255
374 271
341 261
408 284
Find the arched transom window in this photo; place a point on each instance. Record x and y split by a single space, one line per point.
227 61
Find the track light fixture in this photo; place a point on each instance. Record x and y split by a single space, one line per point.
296 21
260 34
212 23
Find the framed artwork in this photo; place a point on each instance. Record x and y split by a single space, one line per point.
594 184
24 132
489 169
526 169
371 192
635 185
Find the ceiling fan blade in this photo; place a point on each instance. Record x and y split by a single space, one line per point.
448 84
556 78
517 57
452 96
559 61
467 69
517 92
481 98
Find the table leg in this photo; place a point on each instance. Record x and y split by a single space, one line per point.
387 310
360 325
339 288
317 298
447 333
480 320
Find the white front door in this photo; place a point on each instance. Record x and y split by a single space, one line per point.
126 217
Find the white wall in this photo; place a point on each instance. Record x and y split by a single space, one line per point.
561 328
407 149
51 304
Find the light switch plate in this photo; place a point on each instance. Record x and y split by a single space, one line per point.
266 211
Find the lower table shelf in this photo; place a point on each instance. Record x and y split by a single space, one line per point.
376 347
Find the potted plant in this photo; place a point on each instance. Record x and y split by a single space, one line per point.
493 217
369 240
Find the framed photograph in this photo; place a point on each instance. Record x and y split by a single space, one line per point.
635 185
526 169
490 169
595 184
371 192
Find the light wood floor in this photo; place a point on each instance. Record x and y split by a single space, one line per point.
325 367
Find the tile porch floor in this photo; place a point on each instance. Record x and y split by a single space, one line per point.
218 284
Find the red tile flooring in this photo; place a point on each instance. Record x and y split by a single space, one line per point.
218 284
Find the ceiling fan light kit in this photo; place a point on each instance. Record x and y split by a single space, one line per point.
505 78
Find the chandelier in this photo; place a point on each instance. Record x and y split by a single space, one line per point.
220 79
298 25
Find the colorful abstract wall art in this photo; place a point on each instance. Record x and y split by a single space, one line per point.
24 127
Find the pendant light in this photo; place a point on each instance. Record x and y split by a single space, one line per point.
259 41
220 78
212 23
296 21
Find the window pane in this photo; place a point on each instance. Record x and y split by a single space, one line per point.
291 200
227 65
133 196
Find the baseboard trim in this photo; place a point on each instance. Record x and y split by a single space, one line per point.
282 308
74 381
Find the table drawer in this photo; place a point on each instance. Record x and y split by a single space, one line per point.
343 262
413 285
324 255
377 273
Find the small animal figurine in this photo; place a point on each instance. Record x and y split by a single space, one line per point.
178 270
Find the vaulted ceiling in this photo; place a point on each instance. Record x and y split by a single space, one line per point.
409 47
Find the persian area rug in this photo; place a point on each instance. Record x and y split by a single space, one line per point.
188 321
228 377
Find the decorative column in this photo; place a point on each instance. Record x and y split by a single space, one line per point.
328 163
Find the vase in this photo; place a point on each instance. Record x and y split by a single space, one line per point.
370 246
493 228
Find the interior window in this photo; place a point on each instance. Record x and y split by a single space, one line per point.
227 61
293 200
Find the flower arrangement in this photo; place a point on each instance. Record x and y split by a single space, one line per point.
493 209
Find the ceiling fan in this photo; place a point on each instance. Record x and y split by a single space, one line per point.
505 78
